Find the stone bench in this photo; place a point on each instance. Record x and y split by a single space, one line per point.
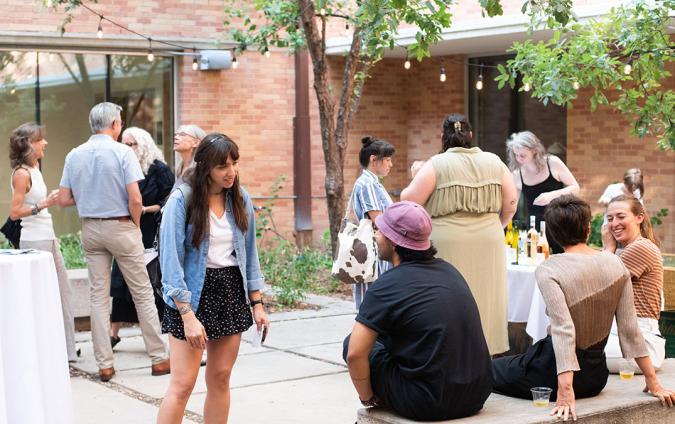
622 401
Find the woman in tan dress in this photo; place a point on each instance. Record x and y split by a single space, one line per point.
471 197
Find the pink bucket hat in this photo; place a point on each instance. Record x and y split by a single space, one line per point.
406 224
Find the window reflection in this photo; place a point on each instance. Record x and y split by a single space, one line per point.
67 86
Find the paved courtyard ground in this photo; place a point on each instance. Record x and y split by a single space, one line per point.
298 376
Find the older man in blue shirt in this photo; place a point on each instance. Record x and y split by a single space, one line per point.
100 177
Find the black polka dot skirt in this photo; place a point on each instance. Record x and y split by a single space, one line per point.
223 310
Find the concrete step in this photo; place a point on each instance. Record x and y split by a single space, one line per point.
622 401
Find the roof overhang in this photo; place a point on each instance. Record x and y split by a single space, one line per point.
475 37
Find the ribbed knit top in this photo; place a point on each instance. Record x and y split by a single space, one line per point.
644 262
583 293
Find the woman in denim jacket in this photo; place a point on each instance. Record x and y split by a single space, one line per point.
211 277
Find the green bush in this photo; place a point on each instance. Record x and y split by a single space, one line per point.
71 249
595 239
293 272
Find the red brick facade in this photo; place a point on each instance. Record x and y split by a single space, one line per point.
255 106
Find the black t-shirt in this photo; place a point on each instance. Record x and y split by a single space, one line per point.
427 319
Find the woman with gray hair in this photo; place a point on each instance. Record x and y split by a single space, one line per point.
154 190
541 177
185 143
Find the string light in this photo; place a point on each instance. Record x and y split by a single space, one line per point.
347 33
195 64
628 68
151 56
322 12
479 82
526 86
576 85
267 53
99 32
406 64
442 77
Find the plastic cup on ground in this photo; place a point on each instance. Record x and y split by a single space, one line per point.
626 374
540 396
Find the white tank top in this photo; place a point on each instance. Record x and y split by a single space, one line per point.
221 242
36 227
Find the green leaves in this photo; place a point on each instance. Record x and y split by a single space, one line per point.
594 54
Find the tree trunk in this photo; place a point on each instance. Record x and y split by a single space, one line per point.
334 126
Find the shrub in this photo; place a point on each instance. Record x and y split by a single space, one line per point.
71 249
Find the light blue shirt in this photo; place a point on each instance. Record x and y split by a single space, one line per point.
370 195
97 172
184 266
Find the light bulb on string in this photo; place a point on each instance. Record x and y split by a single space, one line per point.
406 64
322 12
99 31
628 68
151 56
526 86
443 77
479 82
195 64
235 63
267 53
347 33
576 85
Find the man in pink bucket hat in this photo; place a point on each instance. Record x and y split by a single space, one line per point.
417 346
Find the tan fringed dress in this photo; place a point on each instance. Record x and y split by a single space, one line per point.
467 232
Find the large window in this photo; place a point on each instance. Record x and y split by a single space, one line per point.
59 89
495 114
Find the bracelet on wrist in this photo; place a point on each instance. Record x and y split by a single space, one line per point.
373 401
256 302
184 309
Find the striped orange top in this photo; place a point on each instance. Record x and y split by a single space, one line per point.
643 260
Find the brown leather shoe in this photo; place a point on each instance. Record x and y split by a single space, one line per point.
161 368
106 373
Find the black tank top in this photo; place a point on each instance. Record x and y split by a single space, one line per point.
532 191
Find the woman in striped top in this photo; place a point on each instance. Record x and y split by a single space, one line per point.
628 224
584 290
369 197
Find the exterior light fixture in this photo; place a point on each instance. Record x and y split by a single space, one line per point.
443 77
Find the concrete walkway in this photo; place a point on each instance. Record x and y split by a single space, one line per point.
298 376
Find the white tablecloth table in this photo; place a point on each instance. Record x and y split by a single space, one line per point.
525 301
34 376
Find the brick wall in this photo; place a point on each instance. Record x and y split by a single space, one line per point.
600 149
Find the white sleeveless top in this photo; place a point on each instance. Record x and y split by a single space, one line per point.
221 242
36 227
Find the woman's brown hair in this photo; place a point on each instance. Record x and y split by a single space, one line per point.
636 208
456 132
212 151
567 218
20 147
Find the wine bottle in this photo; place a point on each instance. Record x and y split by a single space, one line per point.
542 246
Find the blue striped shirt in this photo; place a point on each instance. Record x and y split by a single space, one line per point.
369 195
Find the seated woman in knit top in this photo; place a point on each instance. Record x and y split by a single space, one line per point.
584 290
629 224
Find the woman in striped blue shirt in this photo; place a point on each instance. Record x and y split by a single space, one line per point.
370 197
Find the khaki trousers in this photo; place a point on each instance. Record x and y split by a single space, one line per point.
52 246
102 240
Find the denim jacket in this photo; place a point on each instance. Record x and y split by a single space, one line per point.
184 267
